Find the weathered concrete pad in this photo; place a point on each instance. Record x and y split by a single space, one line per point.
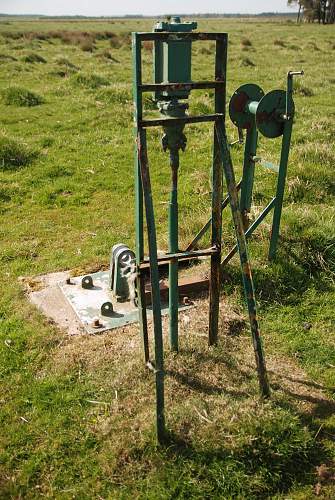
45 294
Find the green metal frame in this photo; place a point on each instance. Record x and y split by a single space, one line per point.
221 164
249 117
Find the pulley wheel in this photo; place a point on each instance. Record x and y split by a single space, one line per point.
237 105
269 114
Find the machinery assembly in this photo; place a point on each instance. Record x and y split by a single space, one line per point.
133 290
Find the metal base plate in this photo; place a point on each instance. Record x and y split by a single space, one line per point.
87 304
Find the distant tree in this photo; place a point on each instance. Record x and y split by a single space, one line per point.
321 10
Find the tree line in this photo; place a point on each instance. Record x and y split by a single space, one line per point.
322 11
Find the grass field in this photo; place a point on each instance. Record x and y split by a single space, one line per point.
77 413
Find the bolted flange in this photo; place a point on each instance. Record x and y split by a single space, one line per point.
107 309
87 282
238 109
270 113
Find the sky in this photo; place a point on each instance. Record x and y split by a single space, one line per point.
144 7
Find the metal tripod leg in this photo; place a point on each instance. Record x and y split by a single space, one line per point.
137 65
216 222
244 259
155 292
285 149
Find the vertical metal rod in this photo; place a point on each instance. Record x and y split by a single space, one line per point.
155 292
173 248
137 96
248 174
285 150
244 259
216 222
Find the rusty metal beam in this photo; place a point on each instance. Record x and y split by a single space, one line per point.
176 121
193 36
186 286
150 87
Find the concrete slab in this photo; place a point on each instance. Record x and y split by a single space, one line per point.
75 309
45 294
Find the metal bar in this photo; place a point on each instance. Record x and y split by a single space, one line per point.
175 121
186 286
173 36
216 220
244 258
150 87
266 164
173 265
285 150
248 174
142 312
194 254
250 230
205 228
154 278
289 108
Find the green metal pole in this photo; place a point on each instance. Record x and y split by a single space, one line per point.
173 248
155 291
248 174
140 285
244 258
216 222
285 150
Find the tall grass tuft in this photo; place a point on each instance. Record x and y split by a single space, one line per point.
19 96
14 154
34 58
6 57
92 81
247 62
301 89
279 43
117 95
246 42
63 61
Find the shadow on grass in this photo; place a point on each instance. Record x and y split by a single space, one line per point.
273 451
199 385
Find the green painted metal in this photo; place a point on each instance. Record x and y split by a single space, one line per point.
216 220
285 150
172 64
248 173
266 164
271 115
173 265
238 106
174 118
122 263
155 292
172 59
139 244
244 258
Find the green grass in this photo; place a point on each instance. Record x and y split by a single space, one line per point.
34 58
77 414
14 154
19 96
